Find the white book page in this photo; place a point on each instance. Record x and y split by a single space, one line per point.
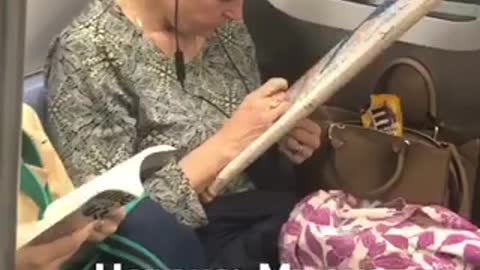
113 189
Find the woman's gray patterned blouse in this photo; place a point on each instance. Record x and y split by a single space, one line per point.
112 94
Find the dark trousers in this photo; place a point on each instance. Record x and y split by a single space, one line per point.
244 228
157 231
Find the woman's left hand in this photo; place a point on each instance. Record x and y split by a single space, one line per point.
108 225
302 141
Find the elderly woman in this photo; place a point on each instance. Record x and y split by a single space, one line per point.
129 74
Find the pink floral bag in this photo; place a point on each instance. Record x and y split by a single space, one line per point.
332 230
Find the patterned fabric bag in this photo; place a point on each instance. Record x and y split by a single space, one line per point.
333 230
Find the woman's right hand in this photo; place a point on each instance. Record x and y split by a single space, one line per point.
255 115
259 110
52 255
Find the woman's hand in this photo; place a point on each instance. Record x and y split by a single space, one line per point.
255 115
108 225
302 141
52 255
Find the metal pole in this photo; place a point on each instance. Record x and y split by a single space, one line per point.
12 39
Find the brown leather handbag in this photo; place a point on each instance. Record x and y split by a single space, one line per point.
418 167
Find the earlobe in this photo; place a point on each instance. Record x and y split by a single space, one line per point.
234 15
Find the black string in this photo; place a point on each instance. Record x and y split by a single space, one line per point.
181 71
177 43
179 57
237 70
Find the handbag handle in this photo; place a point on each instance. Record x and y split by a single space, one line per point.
400 149
432 108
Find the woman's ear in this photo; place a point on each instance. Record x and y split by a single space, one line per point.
234 10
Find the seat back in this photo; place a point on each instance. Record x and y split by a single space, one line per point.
45 19
35 95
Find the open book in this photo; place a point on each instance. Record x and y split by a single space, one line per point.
376 33
117 187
